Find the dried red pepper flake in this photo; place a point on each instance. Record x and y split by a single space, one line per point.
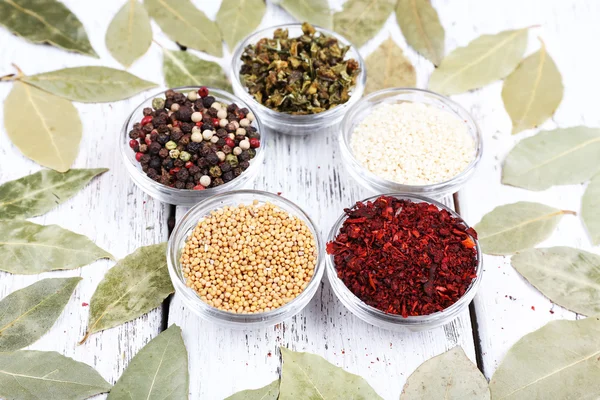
403 257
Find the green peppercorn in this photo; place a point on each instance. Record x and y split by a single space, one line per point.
215 171
251 153
170 145
231 160
158 103
185 156
174 154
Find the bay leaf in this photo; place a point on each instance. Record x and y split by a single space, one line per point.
567 276
38 193
557 157
44 127
533 91
308 376
28 248
590 210
316 12
185 24
421 28
238 18
45 21
136 285
360 20
129 34
558 361
90 84
183 69
512 228
29 313
451 375
483 61
159 371
387 67
269 392
48 375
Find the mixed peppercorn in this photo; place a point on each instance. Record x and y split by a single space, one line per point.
193 141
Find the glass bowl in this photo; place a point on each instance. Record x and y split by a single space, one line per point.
187 197
186 225
368 179
384 320
297 124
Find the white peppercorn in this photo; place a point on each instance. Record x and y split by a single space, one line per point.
174 107
240 132
245 144
237 151
205 180
192 96
214 139
223 123
222 114
196 136
196 116
207 134
221 155
250 117
245 122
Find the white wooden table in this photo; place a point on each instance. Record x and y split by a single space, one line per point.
120 217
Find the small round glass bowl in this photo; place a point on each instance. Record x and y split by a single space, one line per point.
289 124
377 184
394 322
190 298
186 197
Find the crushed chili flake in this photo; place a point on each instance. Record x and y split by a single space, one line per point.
403 257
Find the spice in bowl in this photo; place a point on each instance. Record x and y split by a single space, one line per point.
403 257
250 258
192 141
412 144
299 75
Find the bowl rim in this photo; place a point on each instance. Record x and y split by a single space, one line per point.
346 149
177 236
355 94
397 319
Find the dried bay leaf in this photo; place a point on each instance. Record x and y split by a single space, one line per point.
451 375
129 34
421 28
558 361
38 193
44 127
269 392
557 157
238 18
90 84
185 24
567 276
316 12
183 69
45 21
308 376
511 228
28 248
590 210
48 375
388 67
484 60
29 313
136 285
533 91
360 20
159 371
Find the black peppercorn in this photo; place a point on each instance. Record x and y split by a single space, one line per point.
168 103
169 94
179 185
197 176
232 117
237 172
193 147
155 163
212 159
145 159
137 126
207 101
154 148
185 140
232 108
244 165
184 114
133 134
162 138
159 120
230 127
221 133
162 128
152 173
169 163
199 106
145 167
176 134
220 143
227 176
244 111
147 111
225 167
212 112
208 125
147 128
183 174
189 185
179 98
178 163
163 153
186 127
193 170
202 163
244 156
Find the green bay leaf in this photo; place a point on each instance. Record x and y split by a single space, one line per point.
360 20
316 12
38 193
387 67
483 61
238 18
421 28
28 248
557 157
184 69
558 361
269 392
29 313
308 376
567 276
45 21
35 375
136 285
129 34
185 24
533 91
44 127
451 375
90 84
590 209
512 228
159 371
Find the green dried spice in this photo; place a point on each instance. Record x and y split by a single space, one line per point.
301 75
